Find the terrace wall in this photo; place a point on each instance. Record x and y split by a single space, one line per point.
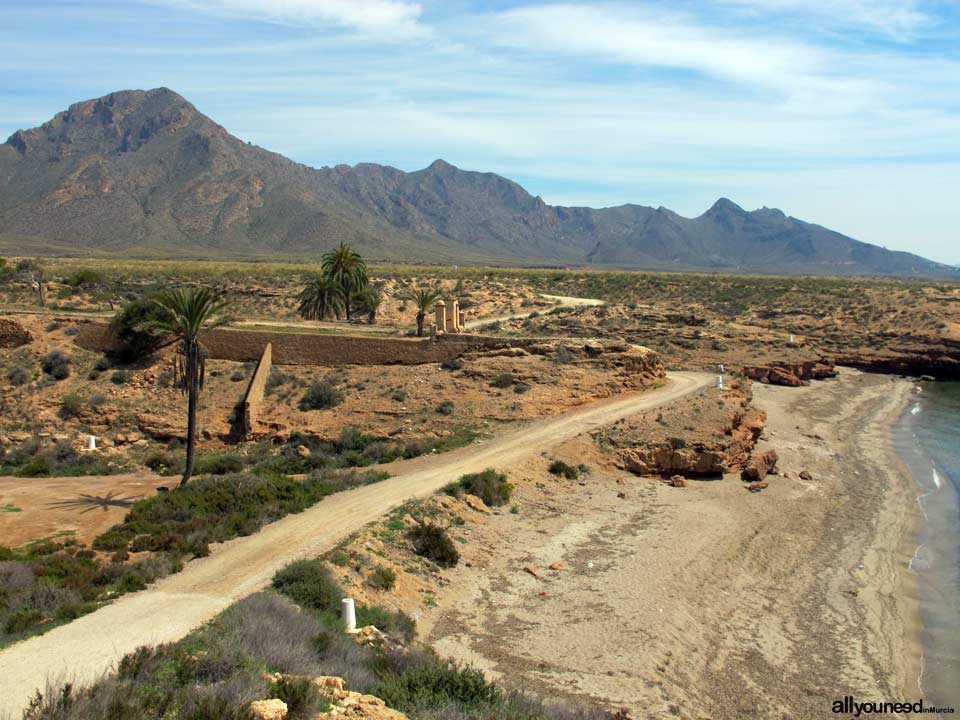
253 399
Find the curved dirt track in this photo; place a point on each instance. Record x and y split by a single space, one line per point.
91 645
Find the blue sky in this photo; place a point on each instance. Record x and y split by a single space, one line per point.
845 113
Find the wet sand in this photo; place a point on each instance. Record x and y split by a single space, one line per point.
707 601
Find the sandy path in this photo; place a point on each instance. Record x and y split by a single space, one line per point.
707 601
561 301
91 645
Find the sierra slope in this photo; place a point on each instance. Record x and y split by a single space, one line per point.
144 173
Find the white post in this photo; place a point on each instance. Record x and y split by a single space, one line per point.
91 443
349 614
720 382
720 368
790 341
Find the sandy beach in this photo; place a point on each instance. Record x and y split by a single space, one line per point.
706 601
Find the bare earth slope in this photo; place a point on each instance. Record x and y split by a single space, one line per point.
90 645
145 173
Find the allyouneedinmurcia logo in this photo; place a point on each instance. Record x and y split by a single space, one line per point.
849 706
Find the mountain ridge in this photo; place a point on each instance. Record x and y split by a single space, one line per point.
143 172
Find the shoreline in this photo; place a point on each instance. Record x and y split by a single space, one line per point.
814 600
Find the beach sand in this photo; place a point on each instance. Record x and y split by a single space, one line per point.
707 601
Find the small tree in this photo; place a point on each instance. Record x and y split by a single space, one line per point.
423 299
344 267
189 312
368 301
321 299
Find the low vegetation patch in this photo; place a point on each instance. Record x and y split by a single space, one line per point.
433 542
321 395
490 486
36 458
570 472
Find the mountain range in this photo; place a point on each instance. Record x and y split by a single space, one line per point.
145 174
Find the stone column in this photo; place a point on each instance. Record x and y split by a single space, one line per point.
462 319
441 314
450 316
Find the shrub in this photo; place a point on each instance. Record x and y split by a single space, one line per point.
398 394
564 355
560 468
434 543
490 486
452 364
135 327
218 464
120 377
321 395
677 443
102 364
84 277
18 376
520 388
71 406
383 578
438 684
445 408
503 380
56 364
309 584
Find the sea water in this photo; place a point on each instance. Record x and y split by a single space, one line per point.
928 440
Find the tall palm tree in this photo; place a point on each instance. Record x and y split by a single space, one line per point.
344 267
423 299
190 311
320 299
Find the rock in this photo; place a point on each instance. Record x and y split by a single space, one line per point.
330 682
134 437
760 465
622 495
13 334
369 635
556 566
804 475
757 486
593 348
475 503
533 571
678 481
268 709
303 451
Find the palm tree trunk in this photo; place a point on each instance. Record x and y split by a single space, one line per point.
192 398
420 318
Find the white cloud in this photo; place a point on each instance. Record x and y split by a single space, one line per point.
399 18
900 19
664 40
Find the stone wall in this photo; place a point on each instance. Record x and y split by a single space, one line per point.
253 399
13 334
293 348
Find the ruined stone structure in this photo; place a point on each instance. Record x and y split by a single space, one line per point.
13 334
449 317
253 399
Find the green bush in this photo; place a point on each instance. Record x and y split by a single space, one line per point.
18 376
383 578
218 464
135 328
120 377
398 394
321 395
433 542
452 364
438 684
677 443
502 380
71 406
490 486
309 584
446 407
562 469
56 364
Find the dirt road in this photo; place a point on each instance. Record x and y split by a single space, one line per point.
91 645
560 300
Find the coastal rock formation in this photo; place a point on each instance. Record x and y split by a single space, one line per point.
760 465
13 334
791 374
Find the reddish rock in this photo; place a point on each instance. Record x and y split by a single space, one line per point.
757 486
678 481
533 571
804 475
760 465
13 334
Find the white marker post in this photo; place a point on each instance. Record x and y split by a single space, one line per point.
720 382
91 443
349 614
720 368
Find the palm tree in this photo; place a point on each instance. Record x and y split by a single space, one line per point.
423 299
344 267
189 312
320 299
368 300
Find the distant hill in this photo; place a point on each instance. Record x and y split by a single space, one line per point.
144 174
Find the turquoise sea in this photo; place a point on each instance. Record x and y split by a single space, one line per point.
928 440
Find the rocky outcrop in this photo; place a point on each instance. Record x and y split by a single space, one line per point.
760 465
791 374
344 703
273 709
13 334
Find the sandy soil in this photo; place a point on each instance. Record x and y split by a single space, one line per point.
708 601
90 645
83 507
